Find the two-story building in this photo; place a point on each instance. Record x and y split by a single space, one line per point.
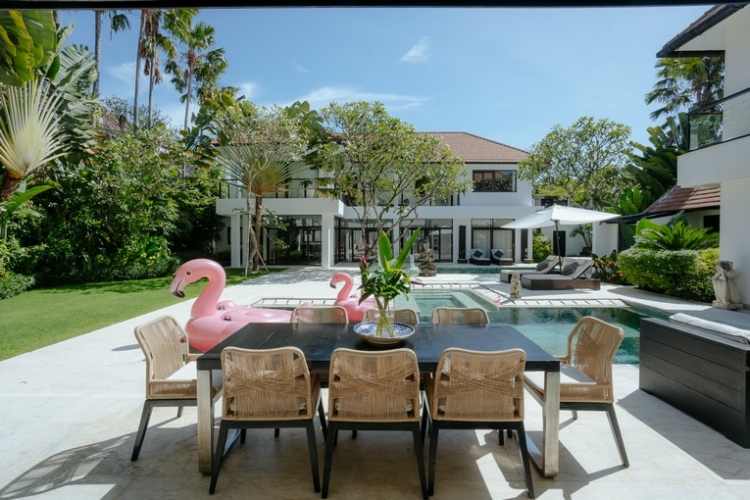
719 132
325 231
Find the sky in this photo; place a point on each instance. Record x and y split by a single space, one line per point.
506 74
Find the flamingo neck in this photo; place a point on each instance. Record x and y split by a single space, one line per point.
347 289
205 304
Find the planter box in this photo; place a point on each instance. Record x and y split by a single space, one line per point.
700 373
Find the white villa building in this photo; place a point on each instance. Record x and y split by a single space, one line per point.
719 153
325 231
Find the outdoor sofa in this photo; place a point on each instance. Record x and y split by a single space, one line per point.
498 256
548 265
700 364
572 277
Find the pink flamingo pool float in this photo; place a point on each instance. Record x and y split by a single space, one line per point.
212 321
350 302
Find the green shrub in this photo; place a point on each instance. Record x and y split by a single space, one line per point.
679 273
12 284
607 270
541 247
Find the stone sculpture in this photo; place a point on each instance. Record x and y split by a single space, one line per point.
426 260
515 286
725 288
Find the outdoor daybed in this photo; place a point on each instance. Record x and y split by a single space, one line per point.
477 257
700 364
572 277
498 257
548 265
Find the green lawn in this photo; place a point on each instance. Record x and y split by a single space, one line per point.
42 317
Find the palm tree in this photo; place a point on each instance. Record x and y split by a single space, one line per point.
202 65
118 22
141 31
686 81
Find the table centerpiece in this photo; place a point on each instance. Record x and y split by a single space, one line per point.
386 282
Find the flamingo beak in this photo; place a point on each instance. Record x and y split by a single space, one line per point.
176 288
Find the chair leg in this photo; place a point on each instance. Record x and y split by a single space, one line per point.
313 446
179 411
218 457
276 432
142 426
425 420
501 437
243 436
322 416
330 443
434 431
618 436
419 450
526 461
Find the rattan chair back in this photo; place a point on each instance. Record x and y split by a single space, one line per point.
460 316
592 346
320 314
478 386
165 345
267 384
405 316
377 386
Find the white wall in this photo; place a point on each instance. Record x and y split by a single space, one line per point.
735 237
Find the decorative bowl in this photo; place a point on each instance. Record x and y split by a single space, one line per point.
367 331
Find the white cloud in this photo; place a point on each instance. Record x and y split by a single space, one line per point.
418 53
249 89
325 95
123 72
299 67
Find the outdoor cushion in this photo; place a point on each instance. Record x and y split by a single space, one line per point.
723 330
499 254
569 269
542 265
477 254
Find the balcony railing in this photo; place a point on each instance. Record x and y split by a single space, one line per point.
720 121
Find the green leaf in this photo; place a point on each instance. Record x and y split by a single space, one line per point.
407 247
385 252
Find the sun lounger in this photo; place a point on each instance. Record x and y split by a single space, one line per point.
498 256
478 258
548 265
572 277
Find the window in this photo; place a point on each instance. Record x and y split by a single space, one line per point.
494 181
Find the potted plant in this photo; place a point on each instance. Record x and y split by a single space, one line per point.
386 282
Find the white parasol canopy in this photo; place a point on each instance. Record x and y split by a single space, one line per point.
558 214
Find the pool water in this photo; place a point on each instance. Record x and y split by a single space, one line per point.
548 327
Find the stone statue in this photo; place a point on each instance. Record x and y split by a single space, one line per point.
515 286
426 260
725 288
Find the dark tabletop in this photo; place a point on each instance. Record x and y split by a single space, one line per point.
318 341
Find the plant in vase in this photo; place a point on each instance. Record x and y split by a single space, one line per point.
386 282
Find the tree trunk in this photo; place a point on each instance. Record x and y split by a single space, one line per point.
151 78
138 72
8 186
189 92
258 229
97 47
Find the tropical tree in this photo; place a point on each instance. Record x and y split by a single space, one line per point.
677 234
582 163
197 68
384 168
685 82
655 168
118 22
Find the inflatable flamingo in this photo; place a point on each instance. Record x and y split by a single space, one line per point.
212 321
354 309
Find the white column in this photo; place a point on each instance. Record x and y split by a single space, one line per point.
327 243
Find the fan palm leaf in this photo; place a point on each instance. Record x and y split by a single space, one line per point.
30 134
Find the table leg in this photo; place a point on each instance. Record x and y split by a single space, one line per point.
205 421
551 425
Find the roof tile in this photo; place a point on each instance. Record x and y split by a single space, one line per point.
678 198
475 149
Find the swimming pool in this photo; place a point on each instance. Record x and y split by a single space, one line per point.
548 327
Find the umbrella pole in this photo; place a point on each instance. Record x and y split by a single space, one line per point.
557 237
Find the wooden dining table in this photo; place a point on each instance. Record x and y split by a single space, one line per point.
318 341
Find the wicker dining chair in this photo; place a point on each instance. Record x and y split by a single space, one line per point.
460 316
591 348
477 390
405 316
268 388
171 376
376 390
320 314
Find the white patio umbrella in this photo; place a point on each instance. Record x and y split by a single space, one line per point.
556 215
